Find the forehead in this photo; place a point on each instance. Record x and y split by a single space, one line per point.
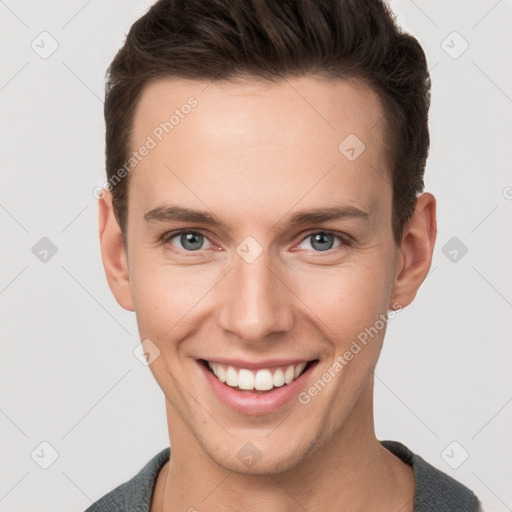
316 103
256 138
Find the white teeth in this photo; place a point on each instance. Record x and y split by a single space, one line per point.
220 372
299 368
231 377
289 374
262 380
245 379
278 378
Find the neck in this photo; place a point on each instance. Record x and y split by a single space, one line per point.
351 471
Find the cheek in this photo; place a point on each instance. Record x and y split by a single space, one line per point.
346 299
167 297
167 303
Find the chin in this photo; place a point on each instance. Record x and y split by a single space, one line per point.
263 457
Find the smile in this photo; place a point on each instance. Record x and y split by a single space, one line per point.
256 388
264 379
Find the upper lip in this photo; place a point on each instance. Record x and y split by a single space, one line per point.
256 365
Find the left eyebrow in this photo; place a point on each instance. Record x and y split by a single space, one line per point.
320 215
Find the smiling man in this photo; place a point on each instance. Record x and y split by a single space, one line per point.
264 221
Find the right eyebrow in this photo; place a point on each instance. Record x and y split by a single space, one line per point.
172 213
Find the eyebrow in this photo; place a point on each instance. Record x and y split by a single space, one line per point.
318 215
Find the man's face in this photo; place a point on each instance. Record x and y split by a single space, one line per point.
258 292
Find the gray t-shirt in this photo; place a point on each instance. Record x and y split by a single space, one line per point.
435 491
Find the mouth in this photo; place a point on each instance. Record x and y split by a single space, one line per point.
261 380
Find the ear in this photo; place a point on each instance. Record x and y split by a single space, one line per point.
415 251
113 254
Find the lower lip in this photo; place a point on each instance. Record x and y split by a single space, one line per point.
255 403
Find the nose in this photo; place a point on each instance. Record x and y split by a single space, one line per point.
256 303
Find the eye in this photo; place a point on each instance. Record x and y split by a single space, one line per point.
193 241
190 240
322 241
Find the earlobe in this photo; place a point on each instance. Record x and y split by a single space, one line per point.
113 254
415 251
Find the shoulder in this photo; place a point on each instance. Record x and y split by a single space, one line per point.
435 491
135 494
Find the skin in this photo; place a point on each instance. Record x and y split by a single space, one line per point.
252 154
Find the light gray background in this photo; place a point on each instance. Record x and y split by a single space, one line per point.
68 375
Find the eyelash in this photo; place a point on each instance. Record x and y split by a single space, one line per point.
342 237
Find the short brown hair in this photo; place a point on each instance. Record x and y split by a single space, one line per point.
276 39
